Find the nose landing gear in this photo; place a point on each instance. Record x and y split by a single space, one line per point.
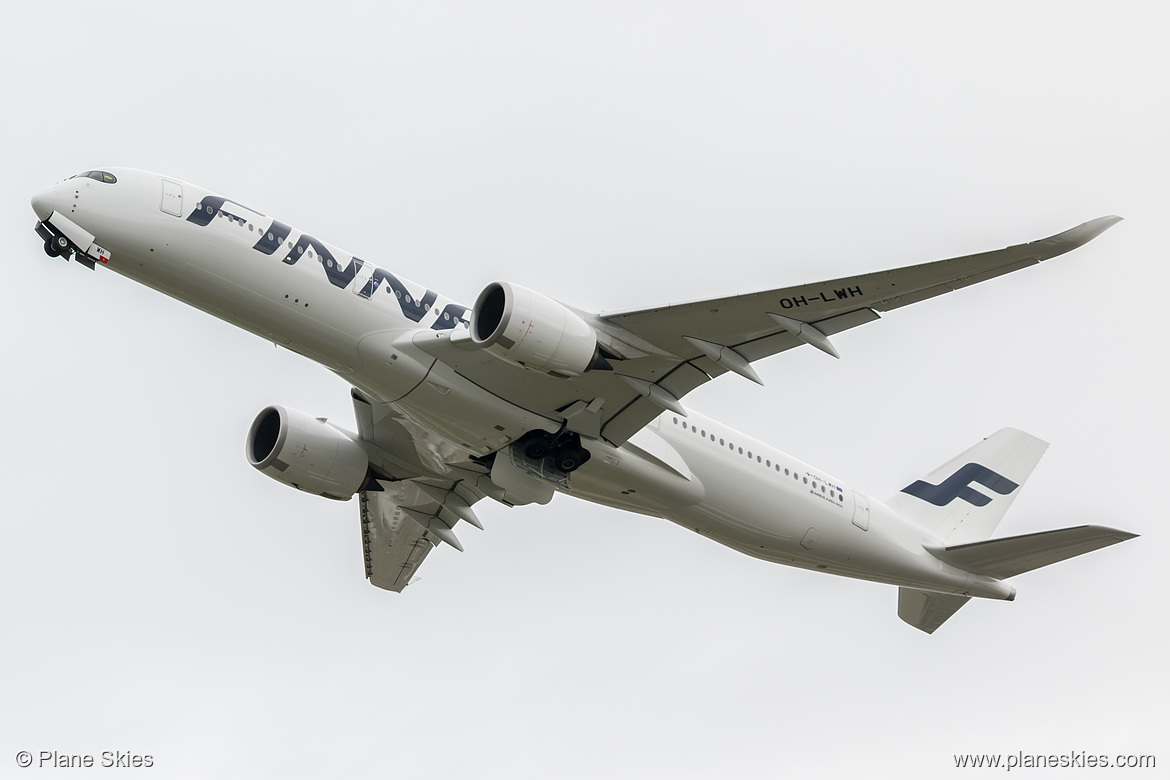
55 246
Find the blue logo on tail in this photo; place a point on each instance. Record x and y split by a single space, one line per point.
958 484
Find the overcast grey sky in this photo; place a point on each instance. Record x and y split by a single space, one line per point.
158 595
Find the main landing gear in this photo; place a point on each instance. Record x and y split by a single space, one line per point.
565 449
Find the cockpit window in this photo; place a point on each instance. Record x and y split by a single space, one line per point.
101 176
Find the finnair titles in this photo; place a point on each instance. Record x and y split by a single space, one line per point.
519 397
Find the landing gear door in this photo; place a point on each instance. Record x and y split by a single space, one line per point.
861 510
172 198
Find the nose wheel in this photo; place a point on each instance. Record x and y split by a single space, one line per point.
55 246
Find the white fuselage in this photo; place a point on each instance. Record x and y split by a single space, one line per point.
363 323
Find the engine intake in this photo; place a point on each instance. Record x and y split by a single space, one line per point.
524 327
307 453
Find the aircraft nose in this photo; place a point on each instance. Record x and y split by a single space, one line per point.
46 202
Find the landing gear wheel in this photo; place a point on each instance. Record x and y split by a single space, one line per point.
569 461
537 447
51 249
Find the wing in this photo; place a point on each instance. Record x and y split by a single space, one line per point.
743 320
403 520
394 544
663 353
410 507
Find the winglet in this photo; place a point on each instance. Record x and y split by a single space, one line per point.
1086 232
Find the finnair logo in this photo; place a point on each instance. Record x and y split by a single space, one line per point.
271 240
958 485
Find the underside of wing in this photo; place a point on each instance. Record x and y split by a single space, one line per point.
393 543
715 336
743 319
413 504
658 355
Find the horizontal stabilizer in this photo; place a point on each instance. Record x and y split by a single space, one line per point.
1001 558
927 611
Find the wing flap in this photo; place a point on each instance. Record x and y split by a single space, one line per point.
394 544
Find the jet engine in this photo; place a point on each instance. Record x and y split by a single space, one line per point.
307 453
524 327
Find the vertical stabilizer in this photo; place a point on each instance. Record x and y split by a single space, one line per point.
964 500
927 611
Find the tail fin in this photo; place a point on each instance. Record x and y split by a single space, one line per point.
964 517
947 504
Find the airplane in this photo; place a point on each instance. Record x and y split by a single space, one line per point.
521 397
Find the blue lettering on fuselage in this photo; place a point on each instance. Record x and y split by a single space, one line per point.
273 239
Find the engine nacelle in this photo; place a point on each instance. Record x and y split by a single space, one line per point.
307 453
524 327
